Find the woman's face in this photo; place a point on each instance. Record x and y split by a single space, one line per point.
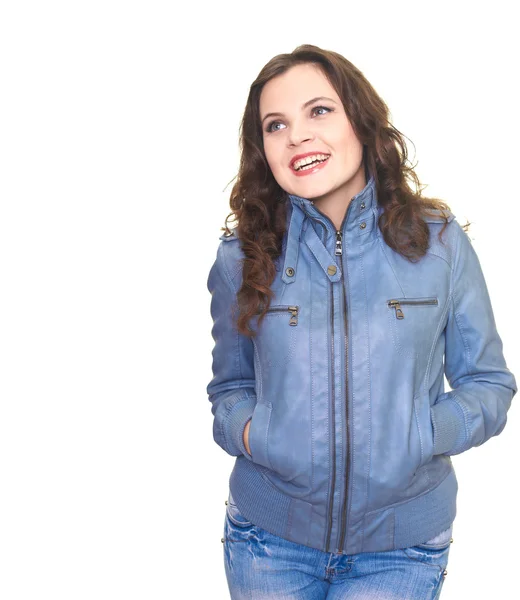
320 127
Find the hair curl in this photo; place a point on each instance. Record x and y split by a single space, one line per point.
258 202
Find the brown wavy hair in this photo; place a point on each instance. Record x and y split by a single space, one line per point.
258 203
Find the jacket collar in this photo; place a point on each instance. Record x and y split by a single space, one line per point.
359 226
360 206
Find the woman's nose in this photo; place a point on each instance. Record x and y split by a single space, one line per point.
299 134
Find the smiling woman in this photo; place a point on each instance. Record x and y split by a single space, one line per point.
338 306
323 130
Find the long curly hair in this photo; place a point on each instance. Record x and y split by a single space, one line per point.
258 203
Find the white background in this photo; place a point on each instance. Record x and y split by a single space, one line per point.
118 139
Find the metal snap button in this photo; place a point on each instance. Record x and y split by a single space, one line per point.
363 225
362 205
451 541
225 502
289 271
222 540
331 269
445 572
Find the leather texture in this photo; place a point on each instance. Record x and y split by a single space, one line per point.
351 429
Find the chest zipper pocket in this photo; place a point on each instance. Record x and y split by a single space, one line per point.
278 335
398 302
291 309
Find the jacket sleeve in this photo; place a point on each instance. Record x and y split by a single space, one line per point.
232 389
482 386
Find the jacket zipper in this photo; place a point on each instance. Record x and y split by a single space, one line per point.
346 497
338 252
293 310
333 485
396 303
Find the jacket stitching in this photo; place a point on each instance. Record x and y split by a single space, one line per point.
329 420
236 270
426 380
237 335
440 328
228 409
462 408
467 357
258 372
348 360
375 211
396 504
438 255
418 430
367 331
312 394
382 246
259 379
238 364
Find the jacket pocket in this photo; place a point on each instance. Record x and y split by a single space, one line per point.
281 441
278 335
425 429
413 323
289 445
258 432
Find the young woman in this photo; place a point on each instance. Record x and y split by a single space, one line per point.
338 302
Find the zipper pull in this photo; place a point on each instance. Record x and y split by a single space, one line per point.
398 311
339 246
294 315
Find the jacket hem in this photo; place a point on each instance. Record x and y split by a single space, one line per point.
407 524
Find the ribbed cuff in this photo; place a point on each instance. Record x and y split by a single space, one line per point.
449 428
238 417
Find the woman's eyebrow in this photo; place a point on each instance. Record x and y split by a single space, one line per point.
304 105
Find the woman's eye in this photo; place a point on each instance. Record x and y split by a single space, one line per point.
270 129
321 107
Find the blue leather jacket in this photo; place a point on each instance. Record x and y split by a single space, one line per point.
352 431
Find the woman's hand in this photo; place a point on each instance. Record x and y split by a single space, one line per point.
245 435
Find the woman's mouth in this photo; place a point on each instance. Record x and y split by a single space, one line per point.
310 165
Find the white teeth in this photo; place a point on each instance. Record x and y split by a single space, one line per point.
308 167
299 164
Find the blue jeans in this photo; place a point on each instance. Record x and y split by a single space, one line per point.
261 566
